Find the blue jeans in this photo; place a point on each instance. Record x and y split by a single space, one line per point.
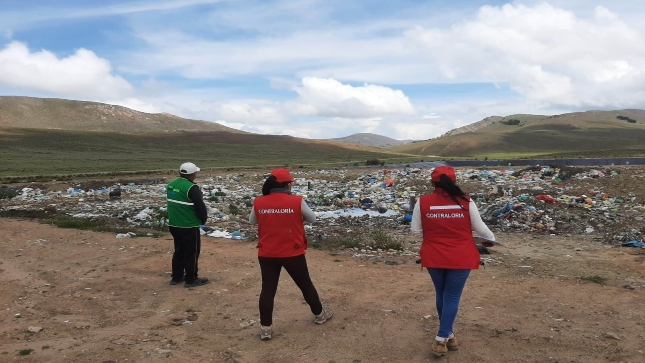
448 285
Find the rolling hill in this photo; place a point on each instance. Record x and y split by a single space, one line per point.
591 133
368 139
51 113
42 137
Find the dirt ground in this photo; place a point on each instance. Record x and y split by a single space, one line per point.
102 299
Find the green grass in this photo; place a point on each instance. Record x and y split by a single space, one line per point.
34 152
88 224
377 237
381 238
97 225
595 278
7 193
25 351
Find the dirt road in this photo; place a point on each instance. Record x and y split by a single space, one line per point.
102 299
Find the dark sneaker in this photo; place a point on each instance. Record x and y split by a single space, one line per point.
198 282
175 282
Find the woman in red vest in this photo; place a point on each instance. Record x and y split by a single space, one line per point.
279 216
447 218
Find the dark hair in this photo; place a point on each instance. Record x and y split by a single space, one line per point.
451 188
272 183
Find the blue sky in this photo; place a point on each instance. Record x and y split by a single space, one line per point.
328 68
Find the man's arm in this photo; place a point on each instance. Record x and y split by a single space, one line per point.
195 195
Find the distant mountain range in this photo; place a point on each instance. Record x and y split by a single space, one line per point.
372 140
579 134
52 113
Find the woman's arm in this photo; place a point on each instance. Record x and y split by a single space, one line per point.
252 218
415 225
476 223
307 214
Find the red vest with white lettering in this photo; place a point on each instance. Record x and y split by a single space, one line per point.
447 234
280 225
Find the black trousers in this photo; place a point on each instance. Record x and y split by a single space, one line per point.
296 268
187 246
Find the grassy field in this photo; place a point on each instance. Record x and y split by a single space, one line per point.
33 152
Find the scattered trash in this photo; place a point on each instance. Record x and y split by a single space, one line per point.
237 235
220 234
634 244
351 203
126 235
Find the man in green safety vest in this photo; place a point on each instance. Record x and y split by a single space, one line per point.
186 213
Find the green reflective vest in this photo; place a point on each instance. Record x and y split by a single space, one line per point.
181 210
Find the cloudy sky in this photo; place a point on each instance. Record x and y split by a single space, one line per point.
329 68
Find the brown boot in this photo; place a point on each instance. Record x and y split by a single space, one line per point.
439 348
452 344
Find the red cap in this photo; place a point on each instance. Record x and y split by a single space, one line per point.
438 171
282 175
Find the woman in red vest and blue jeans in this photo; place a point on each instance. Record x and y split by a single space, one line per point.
447 218
279 216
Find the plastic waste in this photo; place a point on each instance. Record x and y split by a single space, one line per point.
546 198
219 234
507 208
237 235
634 244
126 235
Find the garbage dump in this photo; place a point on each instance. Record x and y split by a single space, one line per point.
368 211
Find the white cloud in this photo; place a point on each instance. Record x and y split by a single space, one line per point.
37 15
136 104
544 53
242 111
136 7
82 75
330 98
236 125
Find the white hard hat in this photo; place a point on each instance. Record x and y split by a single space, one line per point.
188 168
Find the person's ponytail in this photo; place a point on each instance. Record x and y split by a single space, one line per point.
269 184
452 189
272 183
